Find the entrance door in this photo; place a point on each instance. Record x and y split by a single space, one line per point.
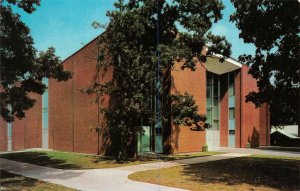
144 139
212 110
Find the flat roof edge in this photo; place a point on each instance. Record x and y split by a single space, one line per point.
230 60
83 47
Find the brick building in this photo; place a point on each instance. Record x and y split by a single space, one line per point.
63 117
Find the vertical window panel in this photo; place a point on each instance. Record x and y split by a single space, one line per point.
216 125
9 130
209 115
208 97
231 89
231 113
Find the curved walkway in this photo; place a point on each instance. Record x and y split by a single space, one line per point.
260 151
103 179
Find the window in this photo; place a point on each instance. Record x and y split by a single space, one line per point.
212 100
209 115
231 113
158 131
9 130
208 96
231 88
209 78
45 105
9 124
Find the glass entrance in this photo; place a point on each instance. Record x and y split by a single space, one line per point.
212 110
144 139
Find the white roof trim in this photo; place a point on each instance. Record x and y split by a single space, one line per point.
215 66
286 134
231 60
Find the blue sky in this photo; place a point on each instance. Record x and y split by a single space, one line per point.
66 25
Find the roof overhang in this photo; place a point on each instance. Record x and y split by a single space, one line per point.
285 134
214 65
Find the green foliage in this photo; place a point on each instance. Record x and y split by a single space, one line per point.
130 46
184 111
22 69
274 28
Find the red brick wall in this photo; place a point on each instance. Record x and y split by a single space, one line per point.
72 116
18 134
61 111
51 87
238 107
71 113
33 130
224 110
26 133
182 138
85 113
255 121
3 135
264 138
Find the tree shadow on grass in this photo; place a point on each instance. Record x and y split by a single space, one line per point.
180 157
112 160
102 159
40 158
11 180
273 173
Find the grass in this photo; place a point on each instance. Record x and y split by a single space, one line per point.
67 160
245 173
13 182
188 155
276 157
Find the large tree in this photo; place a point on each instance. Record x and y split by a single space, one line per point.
142 42
274 28
22 67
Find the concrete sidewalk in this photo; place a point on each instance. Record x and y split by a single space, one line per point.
103 179
259 151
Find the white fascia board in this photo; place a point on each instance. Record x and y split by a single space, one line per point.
230 60
215 66
286 134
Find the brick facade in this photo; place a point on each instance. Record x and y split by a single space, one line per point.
27 132
238 107
194 82
3 135
254 122
224 110
72 116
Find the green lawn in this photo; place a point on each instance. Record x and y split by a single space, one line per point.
13 182
67 160
245 173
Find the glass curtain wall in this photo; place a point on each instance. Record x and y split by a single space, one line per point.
231 109
212 101
45 114
213 109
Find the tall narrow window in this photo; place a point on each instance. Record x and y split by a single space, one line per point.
9 132
231 90
212 100
231 113
45 116
231 109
